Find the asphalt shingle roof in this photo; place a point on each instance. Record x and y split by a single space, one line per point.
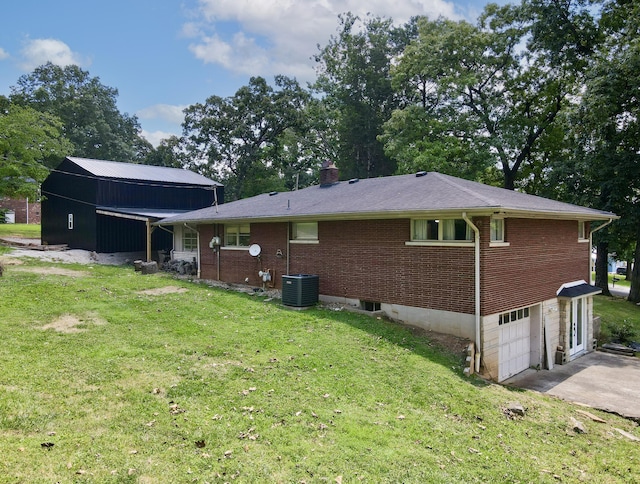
388 197
132 171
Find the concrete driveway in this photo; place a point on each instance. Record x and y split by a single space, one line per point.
600 380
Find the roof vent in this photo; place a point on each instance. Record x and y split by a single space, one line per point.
354 180
420 173
271 194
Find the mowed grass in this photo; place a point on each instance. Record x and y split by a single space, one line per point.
620 319
208 385
29 231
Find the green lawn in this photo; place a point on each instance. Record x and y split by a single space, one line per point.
208 385
29 231
620 319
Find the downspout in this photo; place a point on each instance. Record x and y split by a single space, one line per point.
477 287
591 245
197 247
288 244
173 242
218 253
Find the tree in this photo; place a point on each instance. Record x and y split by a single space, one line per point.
30 142
239 140
608 132
496 88
91 119
170 153
354 79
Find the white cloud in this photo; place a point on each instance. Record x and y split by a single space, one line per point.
155 137
164 112
264 37
37 52
3 54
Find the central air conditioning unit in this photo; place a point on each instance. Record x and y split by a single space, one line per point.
300 290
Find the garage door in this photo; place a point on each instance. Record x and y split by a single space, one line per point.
514 343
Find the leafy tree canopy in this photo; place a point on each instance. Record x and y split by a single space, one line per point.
30 141
90 117
355 82
243 138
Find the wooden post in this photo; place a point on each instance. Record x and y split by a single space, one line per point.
148 240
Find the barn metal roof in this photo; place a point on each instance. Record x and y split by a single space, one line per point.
404 196
133 171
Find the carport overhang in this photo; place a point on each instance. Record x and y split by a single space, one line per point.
148 216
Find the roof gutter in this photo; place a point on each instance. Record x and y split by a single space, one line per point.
476 231
600 227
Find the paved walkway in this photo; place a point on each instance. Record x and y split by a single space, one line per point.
600 380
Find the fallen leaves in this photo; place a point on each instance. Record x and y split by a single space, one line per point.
174 409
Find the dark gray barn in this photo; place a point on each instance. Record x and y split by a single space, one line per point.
108 206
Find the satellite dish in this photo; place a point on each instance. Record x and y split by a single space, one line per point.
254 250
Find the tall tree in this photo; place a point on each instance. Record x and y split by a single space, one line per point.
608 132
170 152
30 143
88 110
495 88
238 140
354 79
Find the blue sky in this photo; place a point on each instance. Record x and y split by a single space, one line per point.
164 55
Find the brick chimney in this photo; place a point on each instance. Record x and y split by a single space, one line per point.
329 174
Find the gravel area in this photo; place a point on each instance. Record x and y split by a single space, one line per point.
27 248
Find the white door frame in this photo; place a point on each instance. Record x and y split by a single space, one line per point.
577 325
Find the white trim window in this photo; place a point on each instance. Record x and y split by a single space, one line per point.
497 229
582 231
304 232
237 235
440 230
189 240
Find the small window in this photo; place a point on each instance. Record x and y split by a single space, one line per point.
512 316
70 221
189 239
582 230
237 235
497 229
448 230
305 231
370 306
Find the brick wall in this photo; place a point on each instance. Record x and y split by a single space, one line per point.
365 260
368 260
20 209
541 256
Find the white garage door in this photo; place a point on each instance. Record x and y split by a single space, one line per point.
515 344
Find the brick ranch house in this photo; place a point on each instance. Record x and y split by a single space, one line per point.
505 269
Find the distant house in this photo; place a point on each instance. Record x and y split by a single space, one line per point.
22 210
108 206
504 269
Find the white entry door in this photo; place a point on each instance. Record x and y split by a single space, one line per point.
577 326
514 344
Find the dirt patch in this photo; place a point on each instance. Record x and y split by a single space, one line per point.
53 271
448 342
68 323
163 290
10 261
